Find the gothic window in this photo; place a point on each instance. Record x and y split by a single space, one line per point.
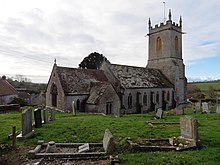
145 99
157 97
129 100
158 44
168 96
176 43
54 93
78 105
108 108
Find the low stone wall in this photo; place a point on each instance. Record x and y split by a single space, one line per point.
9 108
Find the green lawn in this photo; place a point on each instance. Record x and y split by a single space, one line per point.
204 86
90 128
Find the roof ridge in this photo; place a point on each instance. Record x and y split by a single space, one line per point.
134 66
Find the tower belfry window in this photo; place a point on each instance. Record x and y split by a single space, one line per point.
158 44
176 43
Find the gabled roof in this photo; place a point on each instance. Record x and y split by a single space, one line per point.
77 81
6 88
96 92
139 77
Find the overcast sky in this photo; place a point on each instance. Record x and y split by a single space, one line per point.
35 32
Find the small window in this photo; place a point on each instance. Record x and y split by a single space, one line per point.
168 96
129 100
145 99
157 97
78 105
108 108
176 43
158 44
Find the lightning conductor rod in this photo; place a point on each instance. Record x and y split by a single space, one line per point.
164 5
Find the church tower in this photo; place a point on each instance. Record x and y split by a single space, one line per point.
165 53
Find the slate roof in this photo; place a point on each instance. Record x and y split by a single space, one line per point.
6 88
96 92
139 77
77 81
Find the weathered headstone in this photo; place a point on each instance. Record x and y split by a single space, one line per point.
218 108
205 107
189 128
53 113
83 148
37 118
73 108
46 115
198 106
108 142
159 113
26 124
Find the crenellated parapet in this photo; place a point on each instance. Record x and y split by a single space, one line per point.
168 25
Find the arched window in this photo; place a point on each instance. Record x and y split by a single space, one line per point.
168 96
157 97
54 93
108 108
145 99
129 100
176 43
158 44
78 105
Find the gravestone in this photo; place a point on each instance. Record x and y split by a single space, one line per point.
53 113
189 128
108 142
73 108
205 107
37 118
46 115
83 148
218 108
198 106
159 113
26 123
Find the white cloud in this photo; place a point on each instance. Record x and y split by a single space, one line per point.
34 32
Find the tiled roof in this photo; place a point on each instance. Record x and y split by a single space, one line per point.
96 92
6 88
77 81
139 77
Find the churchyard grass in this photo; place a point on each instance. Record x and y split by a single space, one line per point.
90 128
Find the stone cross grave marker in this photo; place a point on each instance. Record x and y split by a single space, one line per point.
26 123
189 128
108 142
198 106
159 113
205 107
73 108
37 118
218 108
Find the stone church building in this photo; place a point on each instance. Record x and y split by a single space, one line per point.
116 89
